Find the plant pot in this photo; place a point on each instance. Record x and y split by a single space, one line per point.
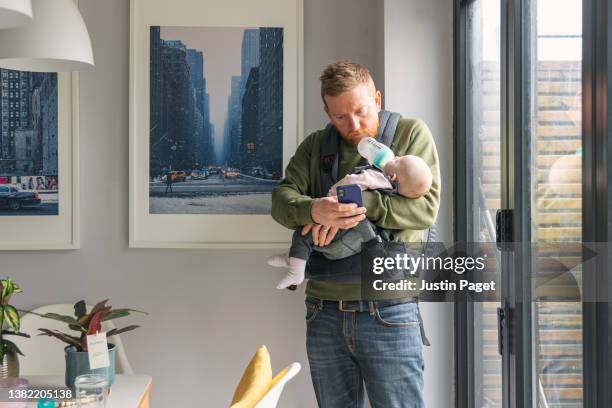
77 363
10 364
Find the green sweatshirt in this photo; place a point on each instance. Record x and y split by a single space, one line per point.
292 198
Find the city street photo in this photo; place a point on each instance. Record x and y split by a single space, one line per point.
216 119
28 143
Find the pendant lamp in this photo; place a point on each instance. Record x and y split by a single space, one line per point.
56 40
15 13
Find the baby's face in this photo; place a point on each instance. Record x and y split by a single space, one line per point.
412 175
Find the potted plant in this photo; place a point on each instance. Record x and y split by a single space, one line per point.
9 326
84 323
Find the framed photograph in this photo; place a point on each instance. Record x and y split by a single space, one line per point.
215 108
38 160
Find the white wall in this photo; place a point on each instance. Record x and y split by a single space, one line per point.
334 30
418 83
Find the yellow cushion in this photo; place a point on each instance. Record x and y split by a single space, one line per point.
255 381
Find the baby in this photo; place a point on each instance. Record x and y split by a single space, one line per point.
413 179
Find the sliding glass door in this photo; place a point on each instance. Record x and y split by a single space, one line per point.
520 142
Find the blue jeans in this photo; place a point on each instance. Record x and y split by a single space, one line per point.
380 349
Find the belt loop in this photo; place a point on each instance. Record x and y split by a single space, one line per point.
320 304
371 307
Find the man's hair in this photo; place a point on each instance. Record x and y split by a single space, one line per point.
342 76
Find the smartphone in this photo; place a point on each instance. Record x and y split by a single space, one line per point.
350 193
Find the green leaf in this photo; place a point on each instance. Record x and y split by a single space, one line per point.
117 313
7 288
9 345
53 316
12 333
78 328
80 309
114 332
66 338
1 352
61 318
11 316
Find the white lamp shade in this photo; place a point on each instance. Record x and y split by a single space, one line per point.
55 41
15 13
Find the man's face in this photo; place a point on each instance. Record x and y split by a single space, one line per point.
355 112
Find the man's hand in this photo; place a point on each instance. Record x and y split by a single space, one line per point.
329 212
321 235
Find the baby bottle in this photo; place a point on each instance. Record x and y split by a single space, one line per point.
376 153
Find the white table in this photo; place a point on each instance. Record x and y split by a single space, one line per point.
128 391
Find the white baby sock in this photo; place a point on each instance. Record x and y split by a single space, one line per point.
296 267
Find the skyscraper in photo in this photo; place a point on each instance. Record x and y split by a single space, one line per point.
28 122
271 98
233 142
251 146
173 105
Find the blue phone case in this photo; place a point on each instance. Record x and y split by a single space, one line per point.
350 193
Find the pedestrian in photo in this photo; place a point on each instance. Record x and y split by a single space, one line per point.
169 182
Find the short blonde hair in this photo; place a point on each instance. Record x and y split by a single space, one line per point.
342 76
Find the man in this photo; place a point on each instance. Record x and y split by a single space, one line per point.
350 341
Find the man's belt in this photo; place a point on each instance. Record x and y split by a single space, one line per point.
357 305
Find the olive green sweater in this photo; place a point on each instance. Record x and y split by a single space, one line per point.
292 198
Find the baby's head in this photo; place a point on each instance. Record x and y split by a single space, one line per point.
412 175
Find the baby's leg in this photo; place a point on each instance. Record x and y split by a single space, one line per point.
348 242
294 261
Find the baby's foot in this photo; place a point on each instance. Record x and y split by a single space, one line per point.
296 266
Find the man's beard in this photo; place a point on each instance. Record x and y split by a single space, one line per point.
355 136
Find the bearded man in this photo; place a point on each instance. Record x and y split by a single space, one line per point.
353 342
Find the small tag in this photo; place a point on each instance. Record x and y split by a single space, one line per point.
97 349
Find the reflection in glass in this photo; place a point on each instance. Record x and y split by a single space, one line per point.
556 178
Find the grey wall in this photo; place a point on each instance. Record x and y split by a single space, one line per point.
418 83
208 309
339 29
